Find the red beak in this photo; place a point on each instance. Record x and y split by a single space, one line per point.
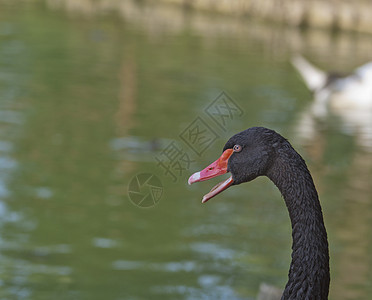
217 168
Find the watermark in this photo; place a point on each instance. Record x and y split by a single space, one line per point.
173 160
145 190
223 110
198 136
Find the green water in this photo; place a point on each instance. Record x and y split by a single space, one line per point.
91 96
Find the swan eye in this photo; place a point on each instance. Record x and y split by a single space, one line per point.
237 148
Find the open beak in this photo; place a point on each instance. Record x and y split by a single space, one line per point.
217 168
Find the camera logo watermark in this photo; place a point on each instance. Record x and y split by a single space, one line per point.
145 190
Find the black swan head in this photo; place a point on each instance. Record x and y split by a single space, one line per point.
259 151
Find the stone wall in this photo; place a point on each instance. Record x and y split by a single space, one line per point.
352 15
159 18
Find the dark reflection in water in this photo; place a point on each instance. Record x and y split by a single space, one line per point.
89 96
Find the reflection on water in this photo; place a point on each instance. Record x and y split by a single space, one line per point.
356 123
88 101
343 108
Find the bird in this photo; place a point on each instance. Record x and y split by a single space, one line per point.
259 151
346 97
339 91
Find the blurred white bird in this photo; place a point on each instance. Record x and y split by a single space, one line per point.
348 97
338 92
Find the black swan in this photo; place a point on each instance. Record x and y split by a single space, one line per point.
259 151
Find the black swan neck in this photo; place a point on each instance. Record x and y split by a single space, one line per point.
308 276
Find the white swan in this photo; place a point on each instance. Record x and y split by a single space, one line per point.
353 91
348 97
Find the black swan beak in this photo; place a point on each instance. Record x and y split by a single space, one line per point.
216 168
